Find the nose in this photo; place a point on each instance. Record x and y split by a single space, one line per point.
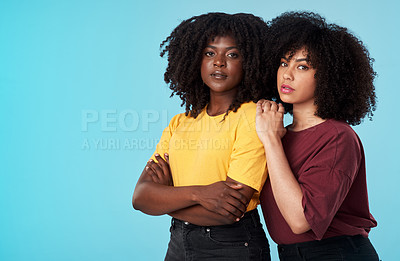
288 74
219 61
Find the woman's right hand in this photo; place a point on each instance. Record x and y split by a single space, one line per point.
223 198
220 197
269 121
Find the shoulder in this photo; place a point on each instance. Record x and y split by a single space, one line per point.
330 134
246 112
339 129
248 107
244 118
347 150
341 136
178 119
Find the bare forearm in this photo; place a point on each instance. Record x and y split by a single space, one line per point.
286 189
225 198
200 216
156 199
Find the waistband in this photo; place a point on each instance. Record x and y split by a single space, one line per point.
352 241
251 216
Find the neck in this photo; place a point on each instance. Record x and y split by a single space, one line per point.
304 117
220 102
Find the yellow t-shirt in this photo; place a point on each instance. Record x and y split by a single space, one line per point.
208 149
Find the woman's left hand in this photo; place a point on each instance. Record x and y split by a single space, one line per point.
269 120
160 172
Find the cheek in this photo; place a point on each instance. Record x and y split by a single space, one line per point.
238 71
309 91
278 80
311 83
203 69
279 74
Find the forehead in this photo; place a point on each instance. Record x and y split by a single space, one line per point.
222 39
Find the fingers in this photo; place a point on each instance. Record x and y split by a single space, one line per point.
234 185
281 109
230 208
266 105
238 199
259 108
234 197
161 169
155 168
229 215
166 157
274 106
221 198
150 172
232 212
234 205
270 106
164 165
237 208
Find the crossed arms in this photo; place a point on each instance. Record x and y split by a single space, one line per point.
220 203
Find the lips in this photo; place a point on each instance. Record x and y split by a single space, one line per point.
286 89
218 75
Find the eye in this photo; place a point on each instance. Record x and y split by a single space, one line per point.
209 54
303 67
233 55
283 64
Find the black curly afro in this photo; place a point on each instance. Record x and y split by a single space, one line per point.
344 73
184 48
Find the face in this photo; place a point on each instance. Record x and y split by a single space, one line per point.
295 79
221 66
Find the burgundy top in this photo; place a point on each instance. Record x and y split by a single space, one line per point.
328 162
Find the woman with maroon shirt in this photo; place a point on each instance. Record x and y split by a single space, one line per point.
315 201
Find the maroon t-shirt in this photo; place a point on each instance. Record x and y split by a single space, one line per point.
328 162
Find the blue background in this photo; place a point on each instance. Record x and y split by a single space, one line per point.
83 103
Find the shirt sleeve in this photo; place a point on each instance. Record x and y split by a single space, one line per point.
248 163
163 145
327 179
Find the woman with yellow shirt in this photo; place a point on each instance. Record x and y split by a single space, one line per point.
214 156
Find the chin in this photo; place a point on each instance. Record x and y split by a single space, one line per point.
284 99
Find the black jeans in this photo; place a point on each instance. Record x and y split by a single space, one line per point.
354 248
243 240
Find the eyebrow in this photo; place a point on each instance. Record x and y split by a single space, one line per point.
297 60
227 48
